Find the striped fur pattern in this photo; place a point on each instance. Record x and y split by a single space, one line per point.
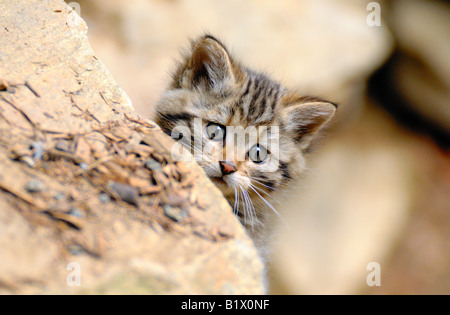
210 84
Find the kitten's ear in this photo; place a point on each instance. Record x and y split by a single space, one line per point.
209 66
305 117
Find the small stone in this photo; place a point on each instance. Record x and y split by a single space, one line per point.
38 150
77 212
104 198
84 166
126 192
62 145
153 165
175 214
75 249
34 186
28 160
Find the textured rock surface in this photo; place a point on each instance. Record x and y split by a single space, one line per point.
88 186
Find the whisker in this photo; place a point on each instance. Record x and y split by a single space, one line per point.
260 189
296 187
268 194
252 209
270 206
235 200
255 179
247 210
238 201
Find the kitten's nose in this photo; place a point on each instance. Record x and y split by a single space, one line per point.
227 167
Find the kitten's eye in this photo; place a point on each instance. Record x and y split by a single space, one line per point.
258 154
215 132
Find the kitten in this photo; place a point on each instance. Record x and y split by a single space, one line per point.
211 90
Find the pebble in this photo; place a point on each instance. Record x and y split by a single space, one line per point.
38 151
84 166
28 160
104 198
76 212
175 214
153 165
62 145
126 192
75 249
34 186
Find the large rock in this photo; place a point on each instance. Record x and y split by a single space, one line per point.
350 211
88 188
422 73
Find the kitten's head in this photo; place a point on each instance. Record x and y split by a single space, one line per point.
211 91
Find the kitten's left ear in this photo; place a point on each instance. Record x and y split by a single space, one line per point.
210 66
306 117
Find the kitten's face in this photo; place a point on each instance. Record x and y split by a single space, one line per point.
210 94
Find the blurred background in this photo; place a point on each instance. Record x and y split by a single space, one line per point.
378 187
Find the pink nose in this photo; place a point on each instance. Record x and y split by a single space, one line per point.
227 167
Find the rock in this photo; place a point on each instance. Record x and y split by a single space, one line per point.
351 210
125 192
422 73
34 186
56 88
174 213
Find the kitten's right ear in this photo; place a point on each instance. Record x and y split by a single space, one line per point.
305 116
208 67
